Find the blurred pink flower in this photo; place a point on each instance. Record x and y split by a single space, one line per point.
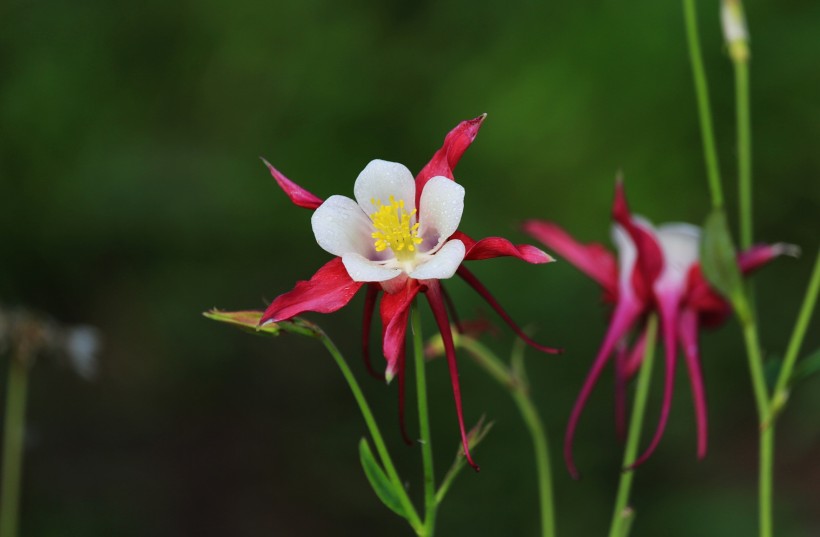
657 270
399 238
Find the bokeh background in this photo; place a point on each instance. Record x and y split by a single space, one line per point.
132 199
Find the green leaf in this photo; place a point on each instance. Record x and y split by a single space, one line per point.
382 486
719 261
807 367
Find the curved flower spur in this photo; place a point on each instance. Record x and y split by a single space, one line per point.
657 270
399 236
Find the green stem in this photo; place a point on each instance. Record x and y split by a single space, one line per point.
378 441
430 502
779 398
744 151
803 318
765 470
704 111
622 514
542 459
751 338
520 393
766 448
13 437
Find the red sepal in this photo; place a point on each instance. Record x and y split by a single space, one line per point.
650 256
328 290
491 247
298 195
592 259
761 254
395 310
445 159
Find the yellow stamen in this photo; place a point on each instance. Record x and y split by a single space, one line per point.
394 229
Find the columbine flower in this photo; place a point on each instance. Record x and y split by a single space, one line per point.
398 236
657 270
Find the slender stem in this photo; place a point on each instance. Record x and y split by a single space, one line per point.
373 427
622 514
520 393
765 470
803 318
704 110
744 151
13 437
430 503
751 338
779 398
766 441
542 459
736 35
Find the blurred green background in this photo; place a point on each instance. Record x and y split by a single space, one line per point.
132 198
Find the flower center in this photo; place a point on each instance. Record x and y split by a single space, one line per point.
394 229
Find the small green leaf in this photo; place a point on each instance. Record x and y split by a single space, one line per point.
719 261
382 486
807 367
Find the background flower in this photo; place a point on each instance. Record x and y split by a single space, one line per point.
654 270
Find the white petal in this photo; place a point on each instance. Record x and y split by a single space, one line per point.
627 255
381 179
363 270
340 227
441 206
681 249
442 264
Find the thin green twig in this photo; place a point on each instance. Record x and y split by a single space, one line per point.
744 153
622 514
799 332
704 110
430 503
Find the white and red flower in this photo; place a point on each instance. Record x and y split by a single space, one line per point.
657 270
398 236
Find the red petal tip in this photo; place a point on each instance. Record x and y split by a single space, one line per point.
298 195
620 208
477 121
